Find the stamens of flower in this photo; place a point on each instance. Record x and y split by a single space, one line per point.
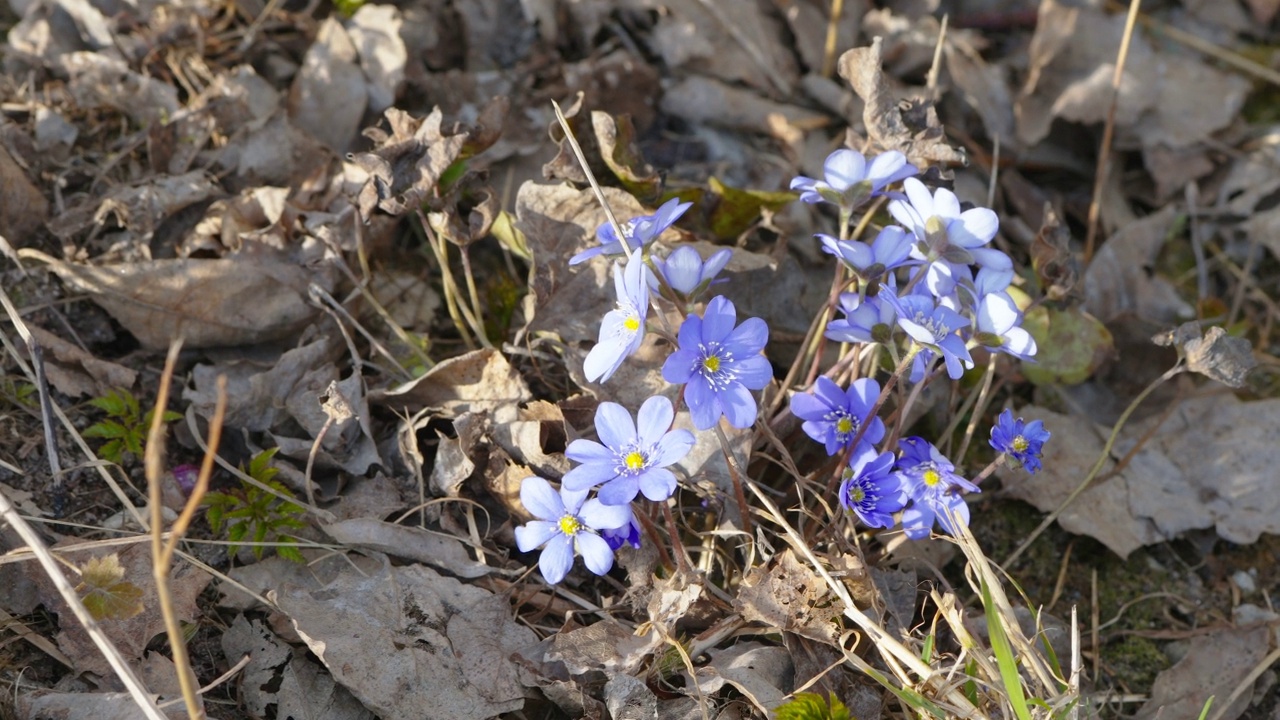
1020 444
632 323
932 477
634 460
844 425
857 494
711 363
569 525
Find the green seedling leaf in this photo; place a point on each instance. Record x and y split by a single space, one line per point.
811 706
106 429
1072 344
105 592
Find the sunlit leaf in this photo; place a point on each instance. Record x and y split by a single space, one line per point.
105 592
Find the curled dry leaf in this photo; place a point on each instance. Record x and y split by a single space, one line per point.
481 380
916 133
764 673
140 207
412 644
1215 355
75 372
236 300
788 595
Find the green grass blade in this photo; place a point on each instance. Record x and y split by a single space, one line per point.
1009 676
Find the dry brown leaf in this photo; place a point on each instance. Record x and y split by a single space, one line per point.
78 706
786 594
1215 355
329 93
130 635
763 673
479 381
138 208
409 543
984 86
412 644
1216 664
99 79
75 372
913 131
1119 280
309 693
267 656
1101 511
703 100
1161 98
254 385
605 646
237 300
737 41
375 32
22 206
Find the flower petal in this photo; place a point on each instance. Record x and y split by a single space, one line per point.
588 451
678 368
584 477
945 204
619 491
540 500
920 198
748 338
533 534
808 407
614 425
844 167
672 448
739 405
596 553
718 320
683 269
753 372
598 515
704 408
556 559
654 419
658 484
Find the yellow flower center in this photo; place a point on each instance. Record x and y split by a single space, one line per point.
569 525
632 323
712 363
634 460
844 425
931 477
1020 444
857 494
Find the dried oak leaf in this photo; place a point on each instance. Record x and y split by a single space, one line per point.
412 644
786 594
236 300
914 130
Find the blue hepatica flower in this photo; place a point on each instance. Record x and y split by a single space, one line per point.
947 238
567 525
1022 441
721 365
934 326
640 231
631 459
930 480
833 416
865 320
687 273
997 318
622 329
871 490
889 250
850 181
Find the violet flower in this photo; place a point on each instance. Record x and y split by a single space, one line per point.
622 329
567 525
930 480
721 365
870 489
1021 441
639 231
833 416
631 459
850 181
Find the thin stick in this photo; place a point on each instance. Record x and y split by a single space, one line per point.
833 33
1108 131
591 178
931 80
108 649
162 552
216 682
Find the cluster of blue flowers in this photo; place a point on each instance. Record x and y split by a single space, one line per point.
718 361
941 308
929 286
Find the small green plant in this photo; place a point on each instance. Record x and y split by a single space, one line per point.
125 427
811 706
252 516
